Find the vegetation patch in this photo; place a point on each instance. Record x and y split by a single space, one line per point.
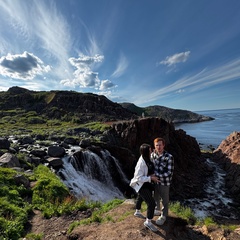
183 212
14 209
98 215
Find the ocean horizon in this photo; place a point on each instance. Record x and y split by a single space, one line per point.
212 133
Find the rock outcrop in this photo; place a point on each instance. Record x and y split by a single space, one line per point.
190 169
228 154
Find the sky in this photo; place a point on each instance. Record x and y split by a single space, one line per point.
181 54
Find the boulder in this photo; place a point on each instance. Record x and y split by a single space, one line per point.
56 151
9 160
55 162
4 143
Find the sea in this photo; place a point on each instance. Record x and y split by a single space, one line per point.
209 134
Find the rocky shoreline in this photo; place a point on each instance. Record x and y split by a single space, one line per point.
122 140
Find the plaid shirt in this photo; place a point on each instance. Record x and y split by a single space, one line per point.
164 166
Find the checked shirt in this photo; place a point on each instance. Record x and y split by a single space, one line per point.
164 166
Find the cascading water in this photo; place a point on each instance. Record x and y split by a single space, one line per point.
216 203
90 176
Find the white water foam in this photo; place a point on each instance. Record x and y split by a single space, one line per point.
83 185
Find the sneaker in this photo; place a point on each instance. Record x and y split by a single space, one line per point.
161 220
157 213
138 214
150 226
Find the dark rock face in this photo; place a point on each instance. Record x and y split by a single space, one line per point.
228 154
190 169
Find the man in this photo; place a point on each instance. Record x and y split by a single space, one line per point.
164 166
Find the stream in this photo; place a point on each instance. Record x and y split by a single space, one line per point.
216 203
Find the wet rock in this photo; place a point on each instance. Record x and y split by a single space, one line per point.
56 151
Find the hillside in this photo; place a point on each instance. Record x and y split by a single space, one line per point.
82 107
62 105
168 114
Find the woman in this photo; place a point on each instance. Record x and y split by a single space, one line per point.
141 183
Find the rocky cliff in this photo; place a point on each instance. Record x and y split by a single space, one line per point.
228 154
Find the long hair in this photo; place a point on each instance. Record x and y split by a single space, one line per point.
145 151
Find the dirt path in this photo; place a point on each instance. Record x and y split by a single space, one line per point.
125 226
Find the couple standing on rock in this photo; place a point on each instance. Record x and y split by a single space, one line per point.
153 173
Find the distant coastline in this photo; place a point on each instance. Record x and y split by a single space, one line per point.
212 133
212 110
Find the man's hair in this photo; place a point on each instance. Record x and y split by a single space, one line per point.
145 151
159 140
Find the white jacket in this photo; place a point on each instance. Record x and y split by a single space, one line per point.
140 175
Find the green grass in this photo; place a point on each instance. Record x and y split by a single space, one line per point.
17 123
14 209
96 126
32 236
187 214
49 195
183 212
98 214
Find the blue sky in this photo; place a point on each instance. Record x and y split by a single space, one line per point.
182 54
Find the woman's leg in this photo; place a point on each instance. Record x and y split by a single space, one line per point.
146 195
139 202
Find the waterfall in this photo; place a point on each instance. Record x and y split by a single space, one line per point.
94 177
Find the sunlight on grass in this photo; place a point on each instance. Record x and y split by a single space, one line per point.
97 215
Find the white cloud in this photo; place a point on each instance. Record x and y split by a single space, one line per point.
106 84
176 58
84 76
22 66
180 91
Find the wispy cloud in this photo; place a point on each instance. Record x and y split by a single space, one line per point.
176 58
40 27
121 66
208 77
